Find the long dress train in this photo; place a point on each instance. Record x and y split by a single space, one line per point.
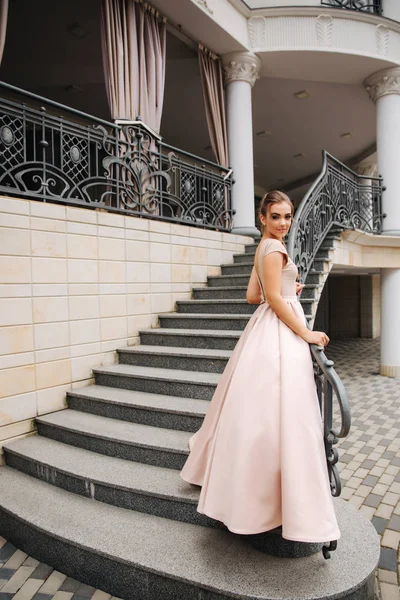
259 455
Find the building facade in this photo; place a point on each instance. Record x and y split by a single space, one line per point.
300 77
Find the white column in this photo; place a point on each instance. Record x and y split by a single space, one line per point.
390 322
384 89
241 72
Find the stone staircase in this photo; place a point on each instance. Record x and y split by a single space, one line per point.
97 493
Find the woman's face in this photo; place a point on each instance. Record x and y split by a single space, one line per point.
278 220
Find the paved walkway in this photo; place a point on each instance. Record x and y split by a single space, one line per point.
370 471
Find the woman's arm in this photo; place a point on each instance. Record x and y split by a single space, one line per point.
272 270
253 294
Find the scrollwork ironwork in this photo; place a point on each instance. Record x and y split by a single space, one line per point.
329 384
339 197
369 6
123 167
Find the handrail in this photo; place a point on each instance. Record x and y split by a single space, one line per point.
121 167
327 383
204 161
118 124
338 197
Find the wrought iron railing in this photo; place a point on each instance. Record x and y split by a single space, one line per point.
339 197
329 383
122 167
368 6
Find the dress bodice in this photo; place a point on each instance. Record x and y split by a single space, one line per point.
289 271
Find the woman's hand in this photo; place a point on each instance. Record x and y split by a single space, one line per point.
316 337
299 287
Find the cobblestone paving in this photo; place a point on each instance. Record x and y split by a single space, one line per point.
370 456
369 466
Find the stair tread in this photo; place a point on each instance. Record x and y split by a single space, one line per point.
243 264
172 549
244 275
109 470
213 301
194 332
159 402
205 316
121 431
176 351
160 373
220 288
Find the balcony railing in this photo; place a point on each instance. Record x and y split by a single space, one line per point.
366 6
53 153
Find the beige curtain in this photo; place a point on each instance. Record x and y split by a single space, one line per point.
214 101
134 54
3 25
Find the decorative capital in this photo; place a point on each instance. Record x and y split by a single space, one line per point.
241 66
383 83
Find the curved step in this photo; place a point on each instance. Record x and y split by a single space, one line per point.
130 441
190 359
216 306
250 248
172 382
136 486
156 410
204 321
136 555
227 280
244 268
244 258
191 338
232 292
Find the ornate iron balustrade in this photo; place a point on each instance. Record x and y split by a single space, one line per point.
122 167
369 6
329 383
339 197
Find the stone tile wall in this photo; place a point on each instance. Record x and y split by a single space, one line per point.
75 284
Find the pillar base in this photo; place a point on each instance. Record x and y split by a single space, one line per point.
389 371
250 231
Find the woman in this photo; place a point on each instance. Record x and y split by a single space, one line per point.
259 455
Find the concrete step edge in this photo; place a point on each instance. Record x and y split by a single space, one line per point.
160 374
203 316
243 275
212 301
159 403
170 562
193 332
220 288
176 351
123 432
110 471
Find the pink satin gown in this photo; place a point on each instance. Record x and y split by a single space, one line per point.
259 455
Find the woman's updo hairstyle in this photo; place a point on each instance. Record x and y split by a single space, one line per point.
271 198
